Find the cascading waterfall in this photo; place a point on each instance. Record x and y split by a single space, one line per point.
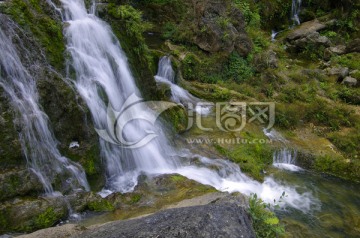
166 75
37 140
284 158
295 10
103 77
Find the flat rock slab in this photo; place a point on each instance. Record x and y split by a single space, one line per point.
225 217
305 29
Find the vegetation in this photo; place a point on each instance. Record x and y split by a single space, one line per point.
47 30
265 222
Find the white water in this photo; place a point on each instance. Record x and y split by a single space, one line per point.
284 158
295 10
103 76
37 140
166 75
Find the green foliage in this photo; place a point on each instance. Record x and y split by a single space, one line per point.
250 12
349 144
32 16
265 222
238 68
351 60
190 67
46 219
321 113
169 30
100 206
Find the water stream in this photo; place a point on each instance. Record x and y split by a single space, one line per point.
103 78
37 140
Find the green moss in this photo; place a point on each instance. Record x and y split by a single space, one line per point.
46 219
34 16
100 206
129 27
177 178
4 221
135 198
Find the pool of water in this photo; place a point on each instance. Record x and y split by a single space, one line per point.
338 210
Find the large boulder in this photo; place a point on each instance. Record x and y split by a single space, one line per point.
222 217
19 183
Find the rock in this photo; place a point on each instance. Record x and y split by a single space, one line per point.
336 50
225 217
19 183
353 46
312 38
213 40
67 230
305 29
340 72
266 60
28 215
350 81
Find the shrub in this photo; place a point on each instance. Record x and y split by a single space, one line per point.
265 222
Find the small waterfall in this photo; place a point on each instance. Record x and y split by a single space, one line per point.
103 77
295 10
285 159
37 140
166 75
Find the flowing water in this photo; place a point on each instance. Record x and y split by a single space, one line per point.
38 143
295 10
103 78
166 75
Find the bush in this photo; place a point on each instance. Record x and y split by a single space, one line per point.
265 222
238 68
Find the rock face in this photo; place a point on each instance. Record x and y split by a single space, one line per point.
19 183
221 34
225 217
214 26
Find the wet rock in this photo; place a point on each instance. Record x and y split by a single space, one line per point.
226 217
19 183
353 46
350 81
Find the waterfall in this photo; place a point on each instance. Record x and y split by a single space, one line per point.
103 78
295 10
166 75
285 159
38 143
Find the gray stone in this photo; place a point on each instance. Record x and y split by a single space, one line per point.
225 217
305 29
350 81
340 72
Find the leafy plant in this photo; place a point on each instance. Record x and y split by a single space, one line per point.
265 222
